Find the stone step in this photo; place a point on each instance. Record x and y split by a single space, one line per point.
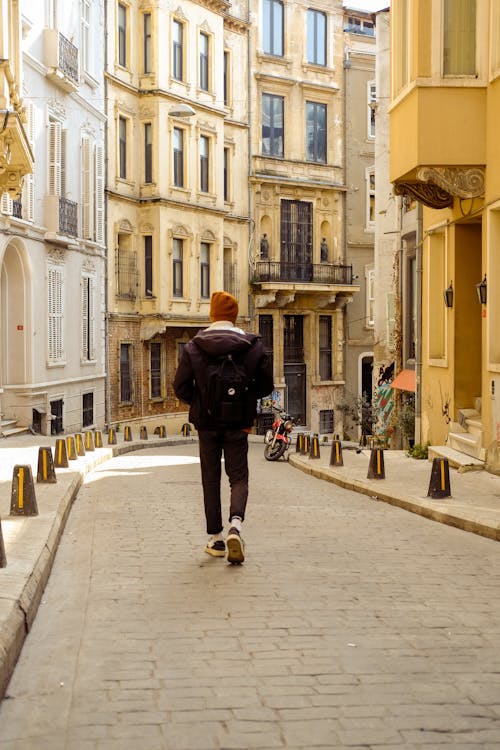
14 431
465 414
474 426
467 443
456 459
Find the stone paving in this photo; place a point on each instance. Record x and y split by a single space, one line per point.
352 624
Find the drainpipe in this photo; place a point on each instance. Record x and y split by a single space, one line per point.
418 326
107 398
251 222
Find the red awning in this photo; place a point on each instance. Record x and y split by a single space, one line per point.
405 381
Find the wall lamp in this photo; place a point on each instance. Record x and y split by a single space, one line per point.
448 296
181 110
482 290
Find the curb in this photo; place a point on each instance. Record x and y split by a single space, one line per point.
398 500
18 613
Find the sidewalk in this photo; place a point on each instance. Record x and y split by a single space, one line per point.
31 542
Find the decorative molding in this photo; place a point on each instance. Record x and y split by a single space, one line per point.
125 226
56 109
56 255
457 181
425 192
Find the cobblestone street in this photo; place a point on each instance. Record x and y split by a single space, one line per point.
352 623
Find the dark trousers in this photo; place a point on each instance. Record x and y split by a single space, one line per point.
234 445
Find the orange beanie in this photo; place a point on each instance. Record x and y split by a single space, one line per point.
223 306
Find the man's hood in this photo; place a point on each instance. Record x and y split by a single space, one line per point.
216 342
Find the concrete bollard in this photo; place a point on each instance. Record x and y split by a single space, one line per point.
299 443
98 439
22 499
127 433
144 433
3 558
161 431
336 458
61 454
88 440
314 451
376 468
70 443
111 436
306 444
46 472
186 429
80 448
439 485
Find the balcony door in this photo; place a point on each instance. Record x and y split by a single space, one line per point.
294 366
296 241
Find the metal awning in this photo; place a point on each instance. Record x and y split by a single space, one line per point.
405 381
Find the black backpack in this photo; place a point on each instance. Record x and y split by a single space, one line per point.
227 393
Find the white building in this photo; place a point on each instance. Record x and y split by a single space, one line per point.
52 241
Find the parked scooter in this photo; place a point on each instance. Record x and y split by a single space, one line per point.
277 439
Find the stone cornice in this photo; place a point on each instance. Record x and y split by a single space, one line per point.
437 187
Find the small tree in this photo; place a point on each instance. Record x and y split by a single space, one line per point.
357 411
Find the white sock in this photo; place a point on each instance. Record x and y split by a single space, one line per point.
236 522
216 537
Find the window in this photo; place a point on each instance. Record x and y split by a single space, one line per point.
204 163
88 318
125 373
205 270
272 125
122 35
87 409
177 267
372 100
316 132
226 174
148 153
146 50
178 157
122 148
85 47
316 37
325 347
177 50
459 38
370 198
55 313
267 333
204 62
273 27
227 72
126 268
326 421
293 338
370 297
155 369
360 26
148 265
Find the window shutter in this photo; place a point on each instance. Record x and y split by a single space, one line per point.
85 317
91 317
87 213
28 196
99 194
64 151
6 204
55 314
54 158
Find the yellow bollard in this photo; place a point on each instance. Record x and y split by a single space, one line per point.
336 458
111 436
98 439
314 448
46 472
61 454
70 442
144 433
80 450
376 469
88 440
127 434
23 500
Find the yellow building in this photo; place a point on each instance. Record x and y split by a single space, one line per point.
444 151
178 214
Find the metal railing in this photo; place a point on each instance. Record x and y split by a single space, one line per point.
316 273
68 58
68 217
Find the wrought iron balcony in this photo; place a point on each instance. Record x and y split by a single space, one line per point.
17 209
68 217
315 273
61 59
68 58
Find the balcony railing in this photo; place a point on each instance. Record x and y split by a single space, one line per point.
68 217
315 273
68 58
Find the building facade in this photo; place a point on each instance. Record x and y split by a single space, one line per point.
301 280
360 97
52 250
177 189
445 102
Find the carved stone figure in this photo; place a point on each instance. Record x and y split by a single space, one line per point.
264 246
324 250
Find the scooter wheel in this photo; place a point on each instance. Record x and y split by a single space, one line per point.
273 453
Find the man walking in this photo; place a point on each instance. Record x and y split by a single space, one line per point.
223 411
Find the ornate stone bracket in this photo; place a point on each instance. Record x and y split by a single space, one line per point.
438 186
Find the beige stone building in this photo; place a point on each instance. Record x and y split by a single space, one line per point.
300 280
178 203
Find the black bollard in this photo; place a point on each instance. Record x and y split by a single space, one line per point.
336 458
23 500
439 486
376 468
46 472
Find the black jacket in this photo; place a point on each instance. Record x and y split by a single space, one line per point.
190 380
